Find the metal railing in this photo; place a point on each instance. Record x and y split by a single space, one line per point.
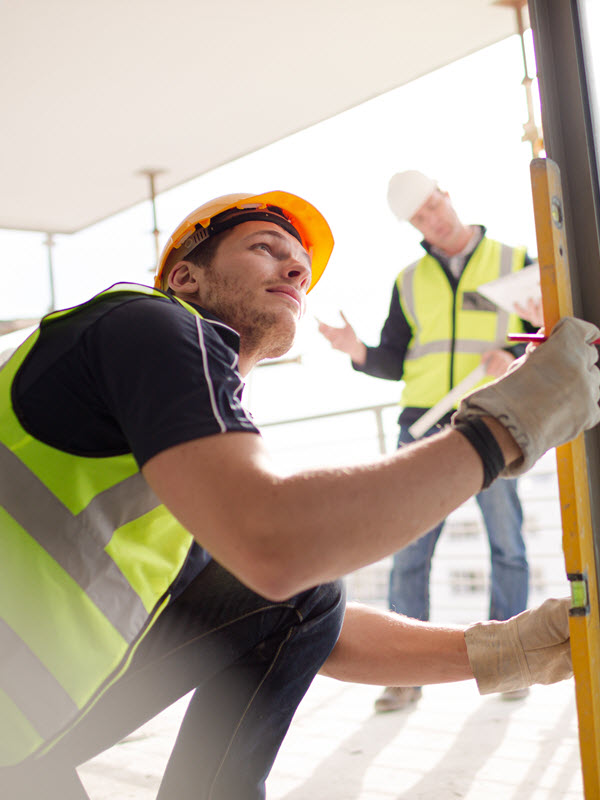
377 411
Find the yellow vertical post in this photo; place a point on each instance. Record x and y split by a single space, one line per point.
571 462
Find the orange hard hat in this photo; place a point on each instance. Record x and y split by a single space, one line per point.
292 213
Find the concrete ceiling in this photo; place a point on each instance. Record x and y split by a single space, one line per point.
95 91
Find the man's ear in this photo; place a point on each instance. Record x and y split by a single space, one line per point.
182 279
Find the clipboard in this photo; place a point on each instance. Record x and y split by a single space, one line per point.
518 287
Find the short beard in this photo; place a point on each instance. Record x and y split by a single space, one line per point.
262 334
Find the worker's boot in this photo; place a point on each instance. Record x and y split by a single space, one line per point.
395 698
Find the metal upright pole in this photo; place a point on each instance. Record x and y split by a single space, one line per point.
49 242
151 175
531 132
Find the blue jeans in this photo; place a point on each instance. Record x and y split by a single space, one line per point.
250 662
503 518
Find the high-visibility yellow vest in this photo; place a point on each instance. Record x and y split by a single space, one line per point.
449 334
87 558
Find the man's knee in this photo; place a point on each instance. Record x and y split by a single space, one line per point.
321 613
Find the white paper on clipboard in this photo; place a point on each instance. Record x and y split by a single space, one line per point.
429 418
518 287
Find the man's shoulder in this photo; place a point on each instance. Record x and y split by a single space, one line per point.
153 325
511 246
144 313
407 275
108 300
410 268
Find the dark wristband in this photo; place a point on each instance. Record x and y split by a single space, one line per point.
480 437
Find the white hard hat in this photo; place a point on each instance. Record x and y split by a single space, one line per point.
407 191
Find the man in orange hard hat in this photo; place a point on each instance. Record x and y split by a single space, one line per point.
150 548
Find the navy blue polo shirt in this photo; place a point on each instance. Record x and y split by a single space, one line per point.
132 374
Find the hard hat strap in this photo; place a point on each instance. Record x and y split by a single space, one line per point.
236 216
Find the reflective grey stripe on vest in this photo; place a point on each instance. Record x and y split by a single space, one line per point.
408 294
77 542
463 346
21 670
428 349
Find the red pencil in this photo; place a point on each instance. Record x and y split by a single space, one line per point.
533 337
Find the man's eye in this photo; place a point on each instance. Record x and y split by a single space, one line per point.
262 246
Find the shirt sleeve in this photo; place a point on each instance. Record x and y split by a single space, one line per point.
142 377
387 359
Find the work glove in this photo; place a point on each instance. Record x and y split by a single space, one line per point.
547 397
532 647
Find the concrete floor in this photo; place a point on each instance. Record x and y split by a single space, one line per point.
453 744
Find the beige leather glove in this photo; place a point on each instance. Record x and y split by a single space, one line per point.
547 396
532 647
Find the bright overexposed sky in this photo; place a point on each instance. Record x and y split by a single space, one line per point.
461 124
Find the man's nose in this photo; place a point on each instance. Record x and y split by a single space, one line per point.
430 217
299 270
